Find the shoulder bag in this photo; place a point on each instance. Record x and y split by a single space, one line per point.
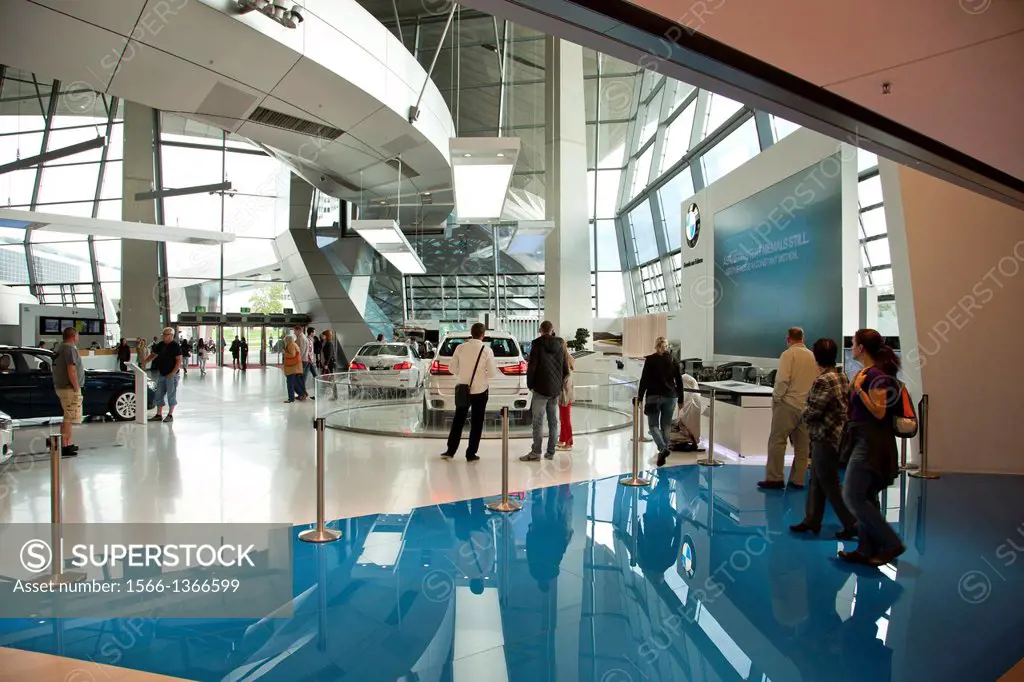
904 418
462 390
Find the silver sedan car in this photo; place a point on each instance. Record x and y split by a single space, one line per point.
381 367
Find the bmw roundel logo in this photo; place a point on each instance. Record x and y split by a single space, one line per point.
692 225
688 558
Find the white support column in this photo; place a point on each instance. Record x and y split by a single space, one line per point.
567 266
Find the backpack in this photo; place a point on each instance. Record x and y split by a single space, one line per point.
904 418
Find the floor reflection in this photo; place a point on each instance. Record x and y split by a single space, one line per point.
693 578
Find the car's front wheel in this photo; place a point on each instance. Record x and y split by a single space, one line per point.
122 406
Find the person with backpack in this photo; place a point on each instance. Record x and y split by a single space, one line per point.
825 416
473 365
873 462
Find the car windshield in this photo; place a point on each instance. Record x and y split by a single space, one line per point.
372 350
503 348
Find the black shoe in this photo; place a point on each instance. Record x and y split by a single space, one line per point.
804 528
69 451
847 534
169 418
853 557
311 397
662 456
472 458
447 455
156 418
771 485
795 486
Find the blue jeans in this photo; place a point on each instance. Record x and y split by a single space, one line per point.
543 405
660 423
308 368
166 386
296 386
860 492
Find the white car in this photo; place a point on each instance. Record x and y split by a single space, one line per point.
390 366
508 390
6 437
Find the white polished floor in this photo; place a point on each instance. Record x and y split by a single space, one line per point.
236 452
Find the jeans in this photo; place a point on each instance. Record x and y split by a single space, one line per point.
478 406
825 485
308 368
296 388
860 492
543 405
787 426
660 423
565 424
166 386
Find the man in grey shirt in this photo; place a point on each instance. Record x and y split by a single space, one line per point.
68 379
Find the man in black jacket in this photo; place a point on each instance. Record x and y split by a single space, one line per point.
545 376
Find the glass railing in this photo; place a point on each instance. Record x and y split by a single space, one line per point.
414 403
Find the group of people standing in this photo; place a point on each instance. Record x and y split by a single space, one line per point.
549 377
835 421
307 354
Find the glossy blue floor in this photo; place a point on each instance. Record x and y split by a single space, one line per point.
599 582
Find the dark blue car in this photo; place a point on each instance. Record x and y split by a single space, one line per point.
26 388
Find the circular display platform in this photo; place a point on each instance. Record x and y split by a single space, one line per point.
404 418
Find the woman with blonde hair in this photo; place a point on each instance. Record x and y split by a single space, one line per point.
661 389
143 348
565 404
293 370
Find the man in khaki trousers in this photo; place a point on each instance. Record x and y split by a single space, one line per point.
797 371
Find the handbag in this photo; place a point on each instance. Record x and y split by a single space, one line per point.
462 390
904 418
567 395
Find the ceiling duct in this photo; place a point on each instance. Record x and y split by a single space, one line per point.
275 119
404 168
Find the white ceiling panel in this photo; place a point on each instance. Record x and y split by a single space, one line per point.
220 43
163 81
345 57
55 45
313 88
382 128
352 20
344 159
119 16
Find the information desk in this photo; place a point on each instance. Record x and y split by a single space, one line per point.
743 416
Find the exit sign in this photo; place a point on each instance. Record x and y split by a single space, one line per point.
243 310
199 309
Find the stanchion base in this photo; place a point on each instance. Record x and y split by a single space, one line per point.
505 505
910 467
319 536
710 462
930 475
65 578
634 482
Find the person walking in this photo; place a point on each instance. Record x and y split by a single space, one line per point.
303 340
473 365
545 376
236 347
318 350
873 461
293 369
68 380
825 416
143 352
660 390
797 371
565 399
243 354
186 352
166 357
201 351
124 355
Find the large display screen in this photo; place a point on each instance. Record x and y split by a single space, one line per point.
54 326
778 264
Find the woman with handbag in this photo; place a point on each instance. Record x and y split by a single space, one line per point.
565 404
293 370
870 445
661 389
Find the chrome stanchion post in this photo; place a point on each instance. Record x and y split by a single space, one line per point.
504 504
57 574
635 480
710 460
320 533
922 414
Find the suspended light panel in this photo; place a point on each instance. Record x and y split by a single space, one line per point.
387 239
481 173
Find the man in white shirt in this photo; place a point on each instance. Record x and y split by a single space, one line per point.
472 364
797 371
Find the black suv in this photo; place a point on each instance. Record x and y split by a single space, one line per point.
26 387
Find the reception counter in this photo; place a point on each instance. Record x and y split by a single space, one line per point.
743 416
